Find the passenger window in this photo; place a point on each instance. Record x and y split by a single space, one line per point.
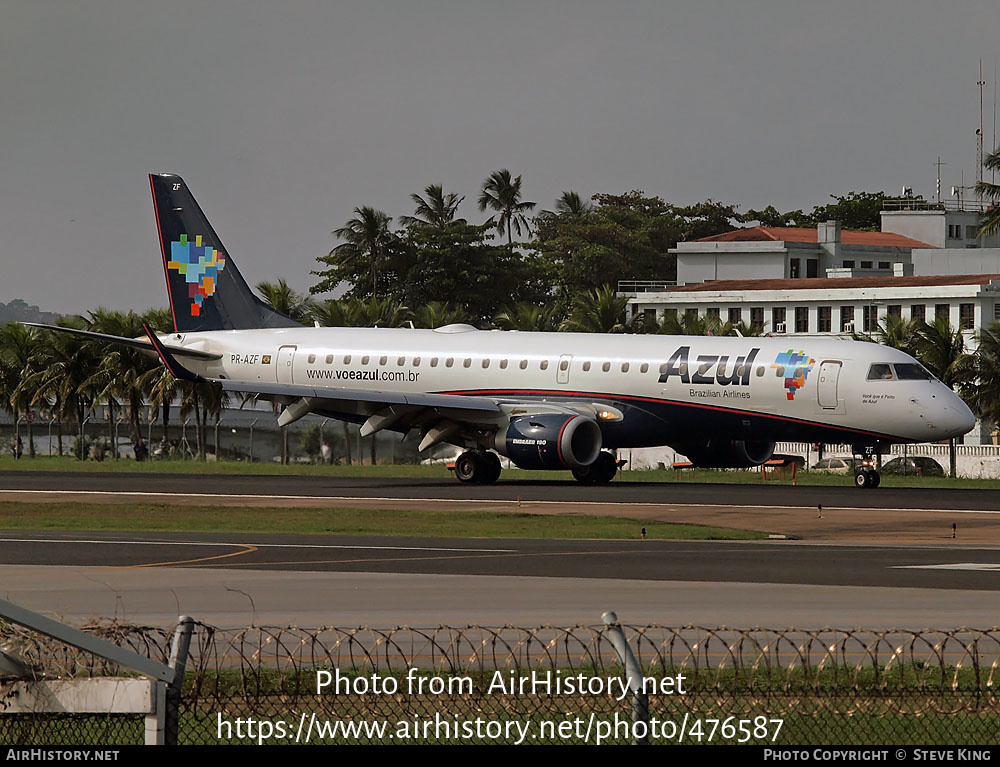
624 367
880 371
563 364
543 365
364 360
663 369
347 359
416 362
644 367
586 366
434 362
449 362
606 367
382 360
329 359
401 361
486 363
467 362
779 372
312 358
503 364
523 365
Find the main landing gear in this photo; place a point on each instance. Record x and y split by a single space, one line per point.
865 473
600 472
479 467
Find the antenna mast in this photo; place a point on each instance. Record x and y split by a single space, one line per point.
939 164
979 136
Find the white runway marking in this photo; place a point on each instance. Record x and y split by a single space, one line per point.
499 501
257 545
980 566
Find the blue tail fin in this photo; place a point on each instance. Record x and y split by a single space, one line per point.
206 290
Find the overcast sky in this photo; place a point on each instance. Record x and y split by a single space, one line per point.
284 117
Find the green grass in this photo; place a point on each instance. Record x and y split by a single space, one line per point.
439 471
153 517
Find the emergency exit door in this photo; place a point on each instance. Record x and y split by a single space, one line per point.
286 358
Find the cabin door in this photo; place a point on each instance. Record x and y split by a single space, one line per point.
829 374
286 357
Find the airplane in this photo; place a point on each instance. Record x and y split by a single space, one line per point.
543 400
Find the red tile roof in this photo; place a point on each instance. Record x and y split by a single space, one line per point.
837 283
794 234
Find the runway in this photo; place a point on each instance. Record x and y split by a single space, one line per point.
283 487
877 559
234 580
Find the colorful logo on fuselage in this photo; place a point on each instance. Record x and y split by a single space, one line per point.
795 368
199 265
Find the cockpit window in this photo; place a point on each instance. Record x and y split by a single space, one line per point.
910 371
880 371
903 371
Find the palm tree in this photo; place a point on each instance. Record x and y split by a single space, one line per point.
368 242
941 349
20 347
334 313
65 366
989 223
437 209
436 314
601 311
528 317
982 391
384 313
120 375
279 296
502 194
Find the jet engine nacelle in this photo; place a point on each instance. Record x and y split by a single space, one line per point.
730 454
551 441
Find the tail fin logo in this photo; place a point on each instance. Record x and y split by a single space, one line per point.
199 265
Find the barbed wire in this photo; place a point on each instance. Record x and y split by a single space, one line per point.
806 675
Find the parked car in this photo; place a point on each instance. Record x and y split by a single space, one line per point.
835 465
913 465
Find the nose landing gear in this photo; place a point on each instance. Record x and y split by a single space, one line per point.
865 473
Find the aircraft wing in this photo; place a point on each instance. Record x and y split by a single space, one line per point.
440 417
363 396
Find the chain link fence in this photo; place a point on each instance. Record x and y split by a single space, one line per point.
478 684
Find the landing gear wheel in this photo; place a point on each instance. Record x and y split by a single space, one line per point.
600 472
469 467
491 469
481 468
867 478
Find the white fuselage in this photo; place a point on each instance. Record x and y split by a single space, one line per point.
816 389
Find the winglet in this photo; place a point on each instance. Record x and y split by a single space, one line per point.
169 361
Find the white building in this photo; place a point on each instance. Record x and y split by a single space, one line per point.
765 252
832 307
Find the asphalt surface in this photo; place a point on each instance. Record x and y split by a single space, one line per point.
908 573
507 490
935 567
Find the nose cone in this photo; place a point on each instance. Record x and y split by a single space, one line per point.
956 419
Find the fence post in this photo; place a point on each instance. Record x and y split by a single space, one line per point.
178 660
640 701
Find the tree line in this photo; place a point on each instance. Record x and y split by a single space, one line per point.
437 268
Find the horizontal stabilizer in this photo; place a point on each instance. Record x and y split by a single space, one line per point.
135 343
